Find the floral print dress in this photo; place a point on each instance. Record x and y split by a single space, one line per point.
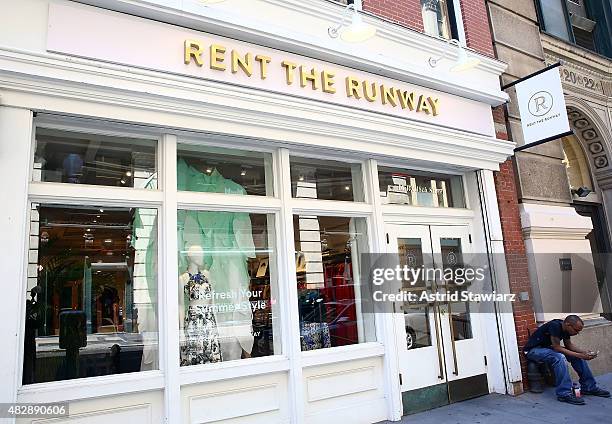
200 326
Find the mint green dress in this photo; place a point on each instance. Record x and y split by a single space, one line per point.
227 241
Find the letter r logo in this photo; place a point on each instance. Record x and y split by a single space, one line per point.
540 103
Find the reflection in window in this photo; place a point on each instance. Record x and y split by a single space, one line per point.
227 286
576 164
91 306
327 255
217 170
327 180
554 17
416 317
452 258
436 17
75 158
406 187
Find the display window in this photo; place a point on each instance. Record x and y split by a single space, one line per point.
91 306
227 286
79 158
229 171
416 188
327 251
93 292
326 180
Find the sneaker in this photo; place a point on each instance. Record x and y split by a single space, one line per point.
571 399
597 392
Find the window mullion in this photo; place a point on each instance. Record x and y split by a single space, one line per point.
290 312
169 325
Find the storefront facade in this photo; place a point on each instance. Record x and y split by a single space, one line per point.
156 151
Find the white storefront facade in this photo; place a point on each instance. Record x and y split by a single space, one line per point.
242 137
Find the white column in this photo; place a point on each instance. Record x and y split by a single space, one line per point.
168 306
385 328
290 318
15 148
501 331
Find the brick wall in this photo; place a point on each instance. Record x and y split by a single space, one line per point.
408 13
476 25
514 245
403 12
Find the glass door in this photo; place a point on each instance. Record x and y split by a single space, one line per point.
441 355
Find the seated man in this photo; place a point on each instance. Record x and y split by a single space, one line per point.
544 345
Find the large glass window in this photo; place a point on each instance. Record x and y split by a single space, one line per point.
327 251
218 170
91 305
76 158
438 18
555 18
415 188
326 180
227 286
584 23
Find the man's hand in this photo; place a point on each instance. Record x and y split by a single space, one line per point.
588 356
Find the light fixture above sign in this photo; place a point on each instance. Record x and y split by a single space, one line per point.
357 31
463 63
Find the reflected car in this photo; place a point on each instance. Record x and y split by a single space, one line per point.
417 329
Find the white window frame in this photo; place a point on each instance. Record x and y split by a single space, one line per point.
170 377
412 210
102 196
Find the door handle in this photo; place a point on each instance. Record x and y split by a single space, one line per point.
436 313
452 334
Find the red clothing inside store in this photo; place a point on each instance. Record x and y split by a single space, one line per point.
339 297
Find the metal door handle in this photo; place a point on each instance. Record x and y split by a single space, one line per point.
438 343
452 333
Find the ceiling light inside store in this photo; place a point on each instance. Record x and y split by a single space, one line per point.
357 31
128 174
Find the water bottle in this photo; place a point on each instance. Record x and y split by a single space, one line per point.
576 390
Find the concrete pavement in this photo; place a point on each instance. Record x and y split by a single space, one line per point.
528 408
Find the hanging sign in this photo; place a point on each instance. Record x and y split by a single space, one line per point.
542 106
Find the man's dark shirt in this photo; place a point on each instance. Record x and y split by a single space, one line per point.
541 337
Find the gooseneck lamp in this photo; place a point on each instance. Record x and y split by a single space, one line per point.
357 31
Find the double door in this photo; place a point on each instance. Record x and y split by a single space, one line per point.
440 341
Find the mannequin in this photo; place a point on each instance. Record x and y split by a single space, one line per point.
201 343
222 232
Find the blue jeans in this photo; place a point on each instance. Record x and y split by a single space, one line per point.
562 377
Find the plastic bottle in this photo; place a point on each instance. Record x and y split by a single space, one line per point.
576 390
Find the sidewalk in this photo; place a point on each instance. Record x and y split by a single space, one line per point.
528 408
